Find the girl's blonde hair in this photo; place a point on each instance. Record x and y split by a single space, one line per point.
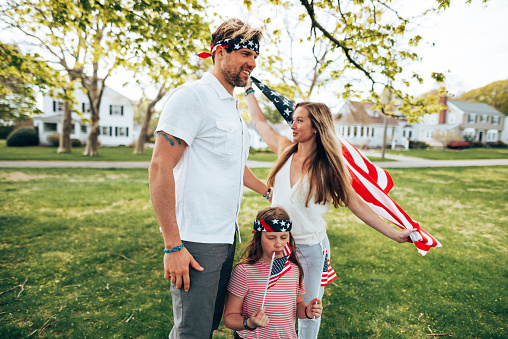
328 176
254 250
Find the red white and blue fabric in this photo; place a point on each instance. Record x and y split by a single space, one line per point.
328 274
279 266
272 225
369 181
233 45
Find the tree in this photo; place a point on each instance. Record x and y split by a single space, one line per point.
89 39
494 94
20 76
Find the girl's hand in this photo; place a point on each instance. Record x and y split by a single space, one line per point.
258 319
314 308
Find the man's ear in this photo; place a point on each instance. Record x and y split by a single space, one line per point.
219 52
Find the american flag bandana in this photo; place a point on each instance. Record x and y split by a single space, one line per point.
273 225
369 181
279 266
328 274
233 45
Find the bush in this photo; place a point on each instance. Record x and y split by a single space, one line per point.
458 144
54 139
5 131
418 144
25 136
497 144
76 143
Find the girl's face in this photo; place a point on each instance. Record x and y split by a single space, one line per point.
302 126
273 242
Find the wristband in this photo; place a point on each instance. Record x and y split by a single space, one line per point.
174 249
268 194
306 313
247 326
249 90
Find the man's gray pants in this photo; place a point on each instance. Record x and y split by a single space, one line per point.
197 313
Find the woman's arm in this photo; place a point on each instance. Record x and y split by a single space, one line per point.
233 315
368 216
269 136
310 311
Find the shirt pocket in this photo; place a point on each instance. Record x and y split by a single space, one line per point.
228 137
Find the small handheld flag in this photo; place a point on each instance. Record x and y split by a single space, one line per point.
278 268
328 274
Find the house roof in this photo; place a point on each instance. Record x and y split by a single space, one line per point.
474 107
53 118
358 114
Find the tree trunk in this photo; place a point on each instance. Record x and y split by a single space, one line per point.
385 129
92 143
140 146
64 145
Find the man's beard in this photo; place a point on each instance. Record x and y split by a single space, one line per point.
234 79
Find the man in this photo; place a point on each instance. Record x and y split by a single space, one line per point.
196 176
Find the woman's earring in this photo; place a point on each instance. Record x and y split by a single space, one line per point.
315 132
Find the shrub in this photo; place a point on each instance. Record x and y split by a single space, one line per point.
25 136
458 144
76 143
54 139
418 144
497 144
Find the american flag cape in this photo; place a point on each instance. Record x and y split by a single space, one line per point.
369 181
279 267
328 274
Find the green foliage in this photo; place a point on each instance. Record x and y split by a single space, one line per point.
54 139
25 136
494 94
85 243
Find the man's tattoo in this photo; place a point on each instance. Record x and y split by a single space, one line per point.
171 142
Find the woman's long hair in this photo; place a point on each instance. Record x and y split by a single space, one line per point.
328 176
254 250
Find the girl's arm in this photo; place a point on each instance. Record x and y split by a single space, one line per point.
269 136
233 317
363 212
310 311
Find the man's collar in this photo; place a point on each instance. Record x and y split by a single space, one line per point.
215 83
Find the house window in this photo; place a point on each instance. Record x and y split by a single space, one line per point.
49 127
491 135
105 130
429 135
58 106
349 131
361 131
451 118
355 131
121 131
495 120
85 108
372 132
115 110
485 118
472 118
83 128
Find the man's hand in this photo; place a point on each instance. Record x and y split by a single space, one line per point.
258 319
176 268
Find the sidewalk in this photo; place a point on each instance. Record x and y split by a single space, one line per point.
401 162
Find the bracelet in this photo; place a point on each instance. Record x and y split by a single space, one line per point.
268 194
247 326
249 91
306 313
174 249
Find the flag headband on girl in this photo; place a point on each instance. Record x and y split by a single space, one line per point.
233 45
272 225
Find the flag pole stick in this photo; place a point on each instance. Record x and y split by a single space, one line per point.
267 280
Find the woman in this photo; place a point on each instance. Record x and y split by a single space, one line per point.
307 178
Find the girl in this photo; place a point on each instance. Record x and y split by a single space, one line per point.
284 301
308 177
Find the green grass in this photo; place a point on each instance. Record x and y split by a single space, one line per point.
86 242
449 154
41 153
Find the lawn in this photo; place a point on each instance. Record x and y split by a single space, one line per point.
449 154
81 256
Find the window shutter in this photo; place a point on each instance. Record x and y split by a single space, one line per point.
121 110
111 131
54 105
110 109
116 131
83 107
127 131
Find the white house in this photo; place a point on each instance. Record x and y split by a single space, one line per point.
257 142
116 121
